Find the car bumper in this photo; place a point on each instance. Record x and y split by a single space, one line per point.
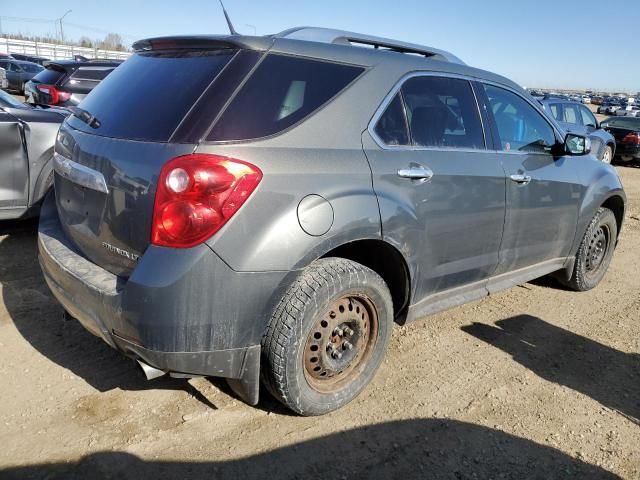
182 311
625 150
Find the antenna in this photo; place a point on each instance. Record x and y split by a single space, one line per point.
226 15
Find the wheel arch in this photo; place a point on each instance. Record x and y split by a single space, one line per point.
387 261
616 204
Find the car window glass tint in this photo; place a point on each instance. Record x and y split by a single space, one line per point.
520 126
571 114
147 96
442 112
48 76
556 111
95 74
392 126
588 119
281 92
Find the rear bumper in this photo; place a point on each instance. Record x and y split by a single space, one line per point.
181 311
625 150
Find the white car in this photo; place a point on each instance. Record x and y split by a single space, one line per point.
629 111
4 83
586 99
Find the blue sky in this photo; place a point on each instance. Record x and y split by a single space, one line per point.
538 43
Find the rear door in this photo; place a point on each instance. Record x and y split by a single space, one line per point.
441 191
543 191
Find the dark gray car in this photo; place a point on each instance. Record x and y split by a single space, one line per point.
301 194
27 136
576 118
19 73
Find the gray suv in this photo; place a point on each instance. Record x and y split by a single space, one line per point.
293 196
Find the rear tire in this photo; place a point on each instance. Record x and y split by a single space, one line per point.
595 252
327 337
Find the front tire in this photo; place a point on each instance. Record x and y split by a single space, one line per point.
595 252
607 156
327 337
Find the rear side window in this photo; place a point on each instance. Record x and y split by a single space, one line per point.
442 112
392 127
91 73
48 76
556 111
86 78
282 91
147 96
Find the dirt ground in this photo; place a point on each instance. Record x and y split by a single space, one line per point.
534 382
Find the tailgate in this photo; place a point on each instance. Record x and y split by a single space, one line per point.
105 190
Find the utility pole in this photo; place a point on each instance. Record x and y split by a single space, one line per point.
60 21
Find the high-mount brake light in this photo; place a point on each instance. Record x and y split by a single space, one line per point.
56 95
196 195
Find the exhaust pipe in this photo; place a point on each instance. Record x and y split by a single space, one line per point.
149 371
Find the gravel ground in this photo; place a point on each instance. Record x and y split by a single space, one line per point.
534 382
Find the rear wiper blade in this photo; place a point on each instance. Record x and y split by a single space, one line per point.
85 116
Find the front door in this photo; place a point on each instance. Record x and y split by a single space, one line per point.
441 191
542 190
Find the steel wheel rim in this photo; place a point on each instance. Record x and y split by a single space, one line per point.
340 343
597 249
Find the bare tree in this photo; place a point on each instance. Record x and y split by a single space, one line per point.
85 42
112 41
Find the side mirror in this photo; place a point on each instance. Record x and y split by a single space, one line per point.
577 145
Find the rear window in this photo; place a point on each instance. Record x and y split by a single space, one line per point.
147 96
91 73
631 123
283 91
48 76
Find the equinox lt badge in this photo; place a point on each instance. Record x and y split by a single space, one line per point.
123 253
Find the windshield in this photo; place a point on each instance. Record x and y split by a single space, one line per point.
10 101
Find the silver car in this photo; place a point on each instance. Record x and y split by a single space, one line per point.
303 193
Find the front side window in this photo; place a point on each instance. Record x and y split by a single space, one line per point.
588 120
442 112
521 127
556 111
392 127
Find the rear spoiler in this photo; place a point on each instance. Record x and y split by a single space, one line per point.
203 42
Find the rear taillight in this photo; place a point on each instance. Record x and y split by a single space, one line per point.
633 138
196 195
56 95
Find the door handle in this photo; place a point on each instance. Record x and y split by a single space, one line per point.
521 179
416 173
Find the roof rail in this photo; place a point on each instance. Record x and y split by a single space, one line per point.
341 37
